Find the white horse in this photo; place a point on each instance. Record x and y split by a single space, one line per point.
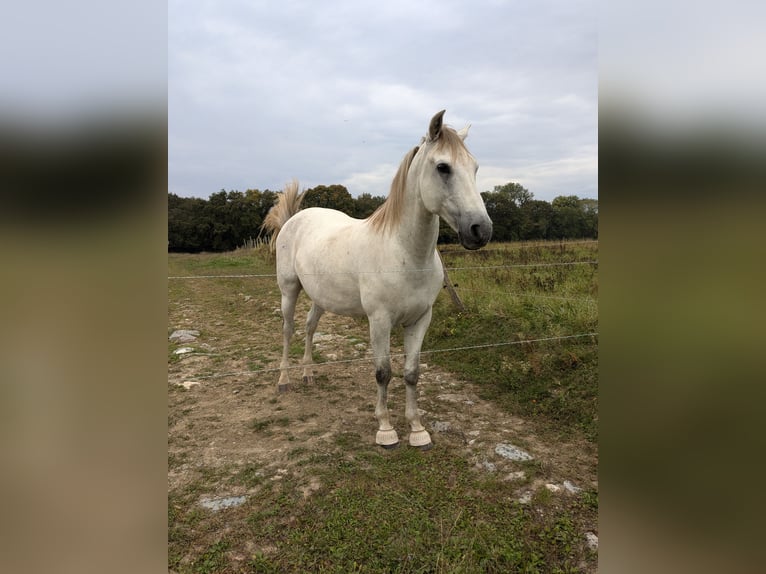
386 266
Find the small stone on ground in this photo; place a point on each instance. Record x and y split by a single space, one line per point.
507 450
221 503
184 336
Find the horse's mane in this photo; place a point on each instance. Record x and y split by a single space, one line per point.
388 215
288 204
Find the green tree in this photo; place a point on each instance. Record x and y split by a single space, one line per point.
504 213
366 204
516 192
536 220
574 217
187 227
329 196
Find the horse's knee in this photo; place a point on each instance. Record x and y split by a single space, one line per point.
383 374
411 377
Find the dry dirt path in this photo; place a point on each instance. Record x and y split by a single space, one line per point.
231 421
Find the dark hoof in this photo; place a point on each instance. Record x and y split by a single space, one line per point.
308 380
389 446
284 388
424 447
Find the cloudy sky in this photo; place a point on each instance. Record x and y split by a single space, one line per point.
337 92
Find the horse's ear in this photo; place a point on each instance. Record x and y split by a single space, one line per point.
464 132
435 128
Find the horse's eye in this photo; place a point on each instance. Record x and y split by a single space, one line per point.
443 168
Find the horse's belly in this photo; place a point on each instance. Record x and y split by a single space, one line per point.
334 292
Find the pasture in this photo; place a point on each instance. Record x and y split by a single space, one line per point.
313 491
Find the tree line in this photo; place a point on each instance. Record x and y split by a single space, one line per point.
228 219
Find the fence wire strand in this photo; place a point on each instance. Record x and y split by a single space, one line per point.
470 268
426 352
392 356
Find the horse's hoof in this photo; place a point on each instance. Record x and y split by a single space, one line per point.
423 447
387 438
389 446
308 380
283 388
421 439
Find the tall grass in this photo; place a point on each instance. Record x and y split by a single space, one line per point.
519 292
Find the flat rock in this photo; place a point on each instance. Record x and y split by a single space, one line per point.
188 384
525 498
221 503
571 487
442 426
184 336
183 351
516 475
591 540
507 450
324 337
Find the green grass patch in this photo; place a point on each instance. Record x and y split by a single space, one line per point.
413 513
554 381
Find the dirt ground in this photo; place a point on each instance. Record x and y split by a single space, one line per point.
212 418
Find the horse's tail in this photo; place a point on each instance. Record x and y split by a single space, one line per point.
288 204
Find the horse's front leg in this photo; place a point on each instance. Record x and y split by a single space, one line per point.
413 339
380 339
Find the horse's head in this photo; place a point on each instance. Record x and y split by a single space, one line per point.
446 175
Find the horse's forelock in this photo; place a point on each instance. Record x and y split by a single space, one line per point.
450 140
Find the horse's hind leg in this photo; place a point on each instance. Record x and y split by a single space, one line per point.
290 291
413 339
380 338
311 326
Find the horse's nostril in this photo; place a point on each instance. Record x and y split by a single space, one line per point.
476 231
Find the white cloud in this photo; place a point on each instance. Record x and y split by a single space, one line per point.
262 92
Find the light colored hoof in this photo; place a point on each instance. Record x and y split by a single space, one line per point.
283 388
387 438
421 440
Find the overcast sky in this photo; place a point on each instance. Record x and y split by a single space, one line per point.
337 92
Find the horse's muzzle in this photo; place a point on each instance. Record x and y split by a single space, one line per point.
475 234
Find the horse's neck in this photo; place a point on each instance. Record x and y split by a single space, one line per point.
419 228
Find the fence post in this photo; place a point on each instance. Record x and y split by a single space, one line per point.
448 285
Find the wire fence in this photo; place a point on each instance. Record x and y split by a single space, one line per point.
415 270
532 295
292 367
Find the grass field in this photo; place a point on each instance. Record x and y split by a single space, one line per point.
319 495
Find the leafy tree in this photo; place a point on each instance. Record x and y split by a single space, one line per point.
329 196
536 220
228 218
504 213
516 192
590 207
571 219
366 204
186 224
